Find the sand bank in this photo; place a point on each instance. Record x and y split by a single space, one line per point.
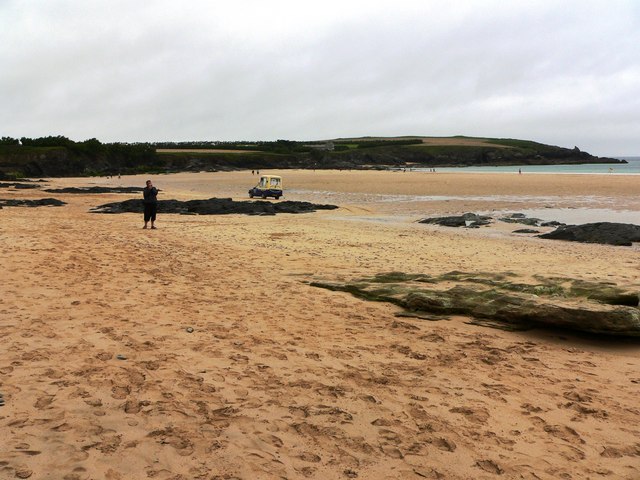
199 351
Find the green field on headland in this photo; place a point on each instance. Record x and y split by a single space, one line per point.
59 156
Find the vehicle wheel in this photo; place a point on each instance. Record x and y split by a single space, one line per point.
251 195
264 197
277 197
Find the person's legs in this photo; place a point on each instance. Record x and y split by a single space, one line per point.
147 214
154 210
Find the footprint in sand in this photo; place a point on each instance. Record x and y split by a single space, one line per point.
120 392
444 444
134 406
44 401
618 452
565 433
310 457
475 415
272 440
489 466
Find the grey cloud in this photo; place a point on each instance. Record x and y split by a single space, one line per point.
564 74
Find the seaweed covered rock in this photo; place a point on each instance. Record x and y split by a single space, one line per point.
500 300
528 310
623 234
214 206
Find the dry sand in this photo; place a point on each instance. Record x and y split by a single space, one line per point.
278 379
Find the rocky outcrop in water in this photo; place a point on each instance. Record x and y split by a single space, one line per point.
531 221
500 300
623 234
608 233
473 220
467 220
214 206
42 202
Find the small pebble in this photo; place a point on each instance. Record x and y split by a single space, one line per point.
189 330
121 357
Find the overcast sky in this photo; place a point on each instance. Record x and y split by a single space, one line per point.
560 72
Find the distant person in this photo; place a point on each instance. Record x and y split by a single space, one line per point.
519 171
150 194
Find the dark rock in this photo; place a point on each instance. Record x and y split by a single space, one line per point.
95 189
18 185
521 218
533 222
468 220
608 233
526 230
214 206
43 202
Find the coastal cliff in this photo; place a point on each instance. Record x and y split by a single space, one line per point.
60 157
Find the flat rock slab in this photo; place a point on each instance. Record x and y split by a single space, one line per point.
608 233
500 300
42 202
18 185
467 220
95 190
214 206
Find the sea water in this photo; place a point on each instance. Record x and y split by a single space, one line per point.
632 167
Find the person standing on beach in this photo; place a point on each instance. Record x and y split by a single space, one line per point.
150 194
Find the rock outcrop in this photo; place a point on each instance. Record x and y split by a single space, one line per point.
499 300
42 202
623 234
95 189
18 185
467 220
214 206
609 233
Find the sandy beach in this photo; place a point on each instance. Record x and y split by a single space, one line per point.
200 351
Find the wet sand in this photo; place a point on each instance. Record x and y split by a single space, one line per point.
199 350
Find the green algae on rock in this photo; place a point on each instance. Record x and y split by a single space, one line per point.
500 300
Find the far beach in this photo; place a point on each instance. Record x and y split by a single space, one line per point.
202 351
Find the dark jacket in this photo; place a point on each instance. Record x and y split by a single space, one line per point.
150 195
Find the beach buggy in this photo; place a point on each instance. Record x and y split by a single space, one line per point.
269 186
